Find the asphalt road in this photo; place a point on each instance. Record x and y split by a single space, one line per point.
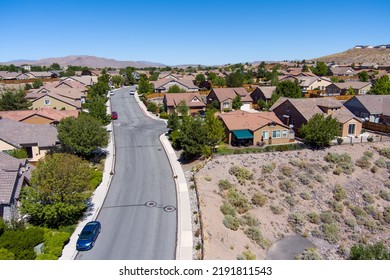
136 222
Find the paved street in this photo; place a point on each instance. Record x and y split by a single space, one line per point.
138 220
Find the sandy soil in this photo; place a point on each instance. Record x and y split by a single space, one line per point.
310 180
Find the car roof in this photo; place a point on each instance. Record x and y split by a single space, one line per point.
93 223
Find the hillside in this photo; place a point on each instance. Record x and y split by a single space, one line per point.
378 56
85 60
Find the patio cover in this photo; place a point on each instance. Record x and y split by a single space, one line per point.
243 134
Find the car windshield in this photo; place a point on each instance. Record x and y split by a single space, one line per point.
86 233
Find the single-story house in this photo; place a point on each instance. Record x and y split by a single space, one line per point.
5 75
14 174
37 139
262 92
44 115
342 88
41 75
191 99
225 97
254 128
297 112
341 71
163 85
73 94
373 108
85 80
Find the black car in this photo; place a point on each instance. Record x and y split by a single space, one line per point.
88 236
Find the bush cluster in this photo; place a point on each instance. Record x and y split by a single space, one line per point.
255 235
259 199
238 200
241 173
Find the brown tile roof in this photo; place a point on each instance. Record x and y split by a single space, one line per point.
238 119
192 99
342 71
75 103
230 93
353 84
54 115
267 91
188 84
375 104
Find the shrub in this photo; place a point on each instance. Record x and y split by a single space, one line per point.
291 201
377 251
238 200
18 153
224 184
369 198
384 195
164 115
97 177
309 253
268 168
151 107
336 206
228 209
351 222
358 212
296 219
318 178
276 209
247 255
339 193
374 169
241 173
385 152
305 196
47 257
286 170
287 186
231 222
343 163
255 235
54 242
250 221
6 254
368 154
327 217
373 212
259 199
208 178
313 218
303 179
363 162
330 233
380 162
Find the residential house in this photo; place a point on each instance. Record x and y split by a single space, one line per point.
191 99
342 88
341 71
44 115
5 75
297 112
373 108
163 85
263 92
37 139
85 80
225 97
41 75
14 174
254 128
70 83
309 84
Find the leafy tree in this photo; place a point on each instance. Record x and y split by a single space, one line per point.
215 130
288 89
174 89
350 91
219 82
237 103
104 78
377 251
82 135
319 131
182 108
173 121
305 68
381 86
27 87
55 66
272 76
199 78
118 80
59 189
100 89
321 69
211 76
205 85
235 79
363 76
37 83
13 100
6 254
129 75
153 76
262 105
193 137
98 110
144 86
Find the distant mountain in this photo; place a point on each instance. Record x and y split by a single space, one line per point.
379 56
85 60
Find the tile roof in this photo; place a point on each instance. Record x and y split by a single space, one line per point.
39 74
375 104
192 99
75 103
18 133
46 112
238 120
342 71
184 82
267 91
353 84
230 93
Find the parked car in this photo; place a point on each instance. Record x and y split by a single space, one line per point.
112 92
88 236
132 92
114 115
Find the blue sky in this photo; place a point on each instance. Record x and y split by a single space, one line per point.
190 32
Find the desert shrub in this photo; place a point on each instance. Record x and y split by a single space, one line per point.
298 163
336 206
384 195
313 218
287 186
373 212
318 178
247 255
363 162
296 219
339 193
259 199
231 222
350 222
368 154
343 163
327 217
330 233
255 235
358 212
380 162
250 221
325 167
224 184
305 196
276 209
241 173
238 200
386 215
309 253
291 201
377 251
385 152
268 168
208 178
228 209
303 179
369 198
286 170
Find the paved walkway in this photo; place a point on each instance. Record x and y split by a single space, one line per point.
184 230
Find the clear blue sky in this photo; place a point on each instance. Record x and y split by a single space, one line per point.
190 32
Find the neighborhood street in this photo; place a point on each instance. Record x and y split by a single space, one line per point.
138 216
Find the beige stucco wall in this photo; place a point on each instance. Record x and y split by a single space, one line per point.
322 84
38 153
37 120
358 128
5 146
258 134
54 103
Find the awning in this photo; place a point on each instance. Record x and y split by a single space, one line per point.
243 134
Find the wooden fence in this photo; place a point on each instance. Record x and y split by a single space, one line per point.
376 127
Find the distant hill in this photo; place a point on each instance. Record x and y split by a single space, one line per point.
365 55
86 60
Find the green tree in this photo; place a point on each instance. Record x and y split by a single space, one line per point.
350 91
144 86
104 78
173 121
321 69
193 137
174 89
55 66
215 130
100 89
237 103
305 68
363 76
182 108
82 135
199 78
219 82
235 79
6 254
272 76
60 187
118 80
288 89
97 109
381 86
211 76
319 131
377 251
37 83
129 75
13 100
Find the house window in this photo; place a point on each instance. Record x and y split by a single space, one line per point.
264 135
287 108
225 105
284 133
276 134
351 129
47 101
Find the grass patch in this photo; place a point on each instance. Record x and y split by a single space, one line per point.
369 198
385 152
247 255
